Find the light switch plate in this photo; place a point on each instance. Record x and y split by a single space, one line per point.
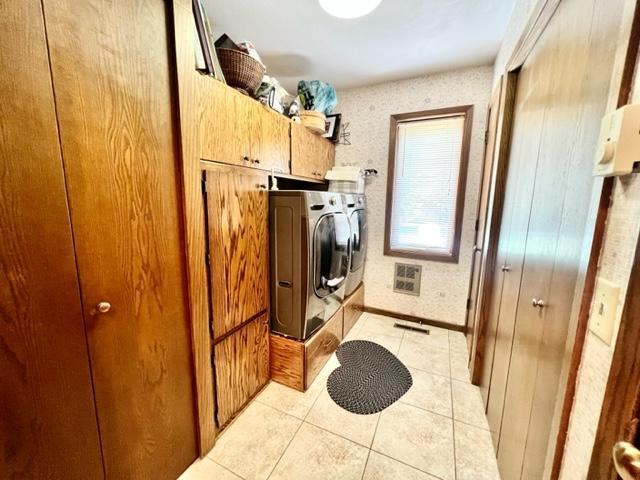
604 309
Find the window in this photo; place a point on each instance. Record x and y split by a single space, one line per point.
428 156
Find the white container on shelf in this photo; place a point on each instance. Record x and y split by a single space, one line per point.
346 179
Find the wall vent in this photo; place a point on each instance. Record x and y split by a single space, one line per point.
407 278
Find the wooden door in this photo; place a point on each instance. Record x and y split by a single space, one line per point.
273 144
479 250
311 155
48 425
237 203
241 367
111 76
225 125
562 94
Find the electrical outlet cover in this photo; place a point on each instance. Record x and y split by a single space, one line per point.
604 309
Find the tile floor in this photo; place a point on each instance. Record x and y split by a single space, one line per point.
437 430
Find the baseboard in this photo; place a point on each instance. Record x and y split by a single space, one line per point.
412 318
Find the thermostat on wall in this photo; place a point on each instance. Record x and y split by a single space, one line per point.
618 150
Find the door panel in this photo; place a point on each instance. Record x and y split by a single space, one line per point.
110 63
273 142
48 426
238 235
332 248
311 155
241 367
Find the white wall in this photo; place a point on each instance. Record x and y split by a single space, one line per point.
367 111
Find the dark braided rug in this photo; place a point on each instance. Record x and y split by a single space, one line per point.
369 378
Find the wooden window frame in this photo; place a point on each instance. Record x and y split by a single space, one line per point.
467 111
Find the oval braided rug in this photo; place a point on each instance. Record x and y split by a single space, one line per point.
369 379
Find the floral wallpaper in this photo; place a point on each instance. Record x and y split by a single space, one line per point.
366 110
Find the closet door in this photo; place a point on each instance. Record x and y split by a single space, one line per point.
48 426
111 76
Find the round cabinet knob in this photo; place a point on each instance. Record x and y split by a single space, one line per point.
537 302
505 268
262 186
103 307
245 159
255 160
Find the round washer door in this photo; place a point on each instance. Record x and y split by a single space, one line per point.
331 253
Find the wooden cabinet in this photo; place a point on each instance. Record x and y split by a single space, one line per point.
237 203
238 130
47 414
353 307
296 364
237 212
114 97
311 155
241 367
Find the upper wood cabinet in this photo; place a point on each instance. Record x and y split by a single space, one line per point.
238 130
311 155
238 236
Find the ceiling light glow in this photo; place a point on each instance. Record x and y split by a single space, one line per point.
349 8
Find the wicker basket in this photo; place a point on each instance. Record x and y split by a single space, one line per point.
314 121
240 70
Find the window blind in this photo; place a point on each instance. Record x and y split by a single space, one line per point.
425 185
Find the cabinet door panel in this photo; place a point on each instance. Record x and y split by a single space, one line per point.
311 155
273 142
113 89
238 232
48 427
242 367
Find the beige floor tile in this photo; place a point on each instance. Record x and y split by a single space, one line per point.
330 416
429 391
380 467
467 404
438 337
358 325
207 469
475 457
459 366
458 342
316 454
253 443
418 438
391 343
288 400
428 358
381 325
329 367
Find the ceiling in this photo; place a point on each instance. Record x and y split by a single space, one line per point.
400 39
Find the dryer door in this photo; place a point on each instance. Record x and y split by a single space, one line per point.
331 253
358 238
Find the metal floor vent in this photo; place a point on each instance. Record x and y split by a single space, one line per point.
406 278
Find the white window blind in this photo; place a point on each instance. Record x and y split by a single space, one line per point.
425 184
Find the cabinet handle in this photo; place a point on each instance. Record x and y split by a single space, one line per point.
538 303
245 159
505 268
262 186
255 160
103 307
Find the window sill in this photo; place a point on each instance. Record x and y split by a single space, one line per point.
422 255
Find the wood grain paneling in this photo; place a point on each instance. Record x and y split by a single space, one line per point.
48 427
320 346
353 307
120 150
194 91
287 361
311 155
272 148
238 233
242 367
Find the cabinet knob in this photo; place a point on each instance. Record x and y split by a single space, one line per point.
255 160
262 186
505 268
538 303
245 159
103 307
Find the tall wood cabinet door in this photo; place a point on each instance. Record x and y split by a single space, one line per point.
111 76
513 239
241 367
48 426
237 205
273 144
